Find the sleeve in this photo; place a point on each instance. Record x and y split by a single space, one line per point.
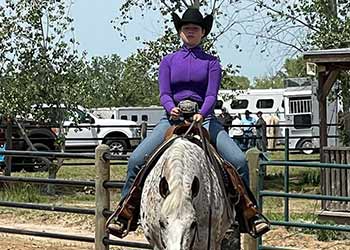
165 93
214 80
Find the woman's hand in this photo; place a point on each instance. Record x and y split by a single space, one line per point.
198 118
175 113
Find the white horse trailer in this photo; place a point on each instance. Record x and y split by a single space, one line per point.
150 115
268 101
302 112
297 107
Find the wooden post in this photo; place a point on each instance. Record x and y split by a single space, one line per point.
252 156
102 196
322 102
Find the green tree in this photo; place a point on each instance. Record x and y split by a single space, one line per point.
295 67
104 77
303 25
267 82
234 82
115 83
38 60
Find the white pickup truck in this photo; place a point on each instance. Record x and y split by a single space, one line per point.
85 130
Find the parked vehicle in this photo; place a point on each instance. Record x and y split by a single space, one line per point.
42 138
151 114
302 111
268 101
84 130
296 105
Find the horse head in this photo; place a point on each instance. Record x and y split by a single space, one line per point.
178 221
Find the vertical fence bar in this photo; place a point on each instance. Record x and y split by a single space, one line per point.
8 158
252 156
261 176
286 175
102 195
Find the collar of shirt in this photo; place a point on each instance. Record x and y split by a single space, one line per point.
191 51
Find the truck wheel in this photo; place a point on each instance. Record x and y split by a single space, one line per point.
117 147
307 147
36 164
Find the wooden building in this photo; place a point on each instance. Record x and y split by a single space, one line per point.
334 182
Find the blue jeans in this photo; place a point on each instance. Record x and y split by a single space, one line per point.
225 146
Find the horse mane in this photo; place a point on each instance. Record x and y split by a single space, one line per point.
174 172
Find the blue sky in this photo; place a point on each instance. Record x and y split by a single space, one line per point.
96 35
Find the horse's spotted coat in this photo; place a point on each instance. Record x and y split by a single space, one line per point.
180 163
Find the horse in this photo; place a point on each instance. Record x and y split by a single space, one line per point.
271 131
183 204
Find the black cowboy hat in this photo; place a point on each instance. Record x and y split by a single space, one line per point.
193 15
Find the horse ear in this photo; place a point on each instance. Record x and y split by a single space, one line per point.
164 187
195 187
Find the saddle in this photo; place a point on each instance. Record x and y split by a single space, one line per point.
128 209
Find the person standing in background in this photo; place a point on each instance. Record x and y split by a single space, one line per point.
248 135
261 141
226 119
236 132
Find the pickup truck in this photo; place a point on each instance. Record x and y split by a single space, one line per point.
83 132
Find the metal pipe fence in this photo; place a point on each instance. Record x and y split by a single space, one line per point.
101 161
103 183
287 195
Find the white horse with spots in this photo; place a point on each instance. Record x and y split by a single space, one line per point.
183 206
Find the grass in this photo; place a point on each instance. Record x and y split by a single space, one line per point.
301 179
65 195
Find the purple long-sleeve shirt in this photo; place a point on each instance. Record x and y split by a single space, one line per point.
189 74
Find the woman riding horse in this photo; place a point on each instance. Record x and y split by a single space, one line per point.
188 74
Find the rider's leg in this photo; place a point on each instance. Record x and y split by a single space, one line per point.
125 211
144 149
227 148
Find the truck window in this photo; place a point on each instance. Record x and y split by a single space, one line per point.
302 121
144 118
123 117
239 104
264 104
134 118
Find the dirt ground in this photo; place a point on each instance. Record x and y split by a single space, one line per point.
78 225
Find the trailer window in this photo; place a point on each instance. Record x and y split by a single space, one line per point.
124 117
134 118
144 118
264 104
302 121
239 104
300 105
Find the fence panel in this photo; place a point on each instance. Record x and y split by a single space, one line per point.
336 182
